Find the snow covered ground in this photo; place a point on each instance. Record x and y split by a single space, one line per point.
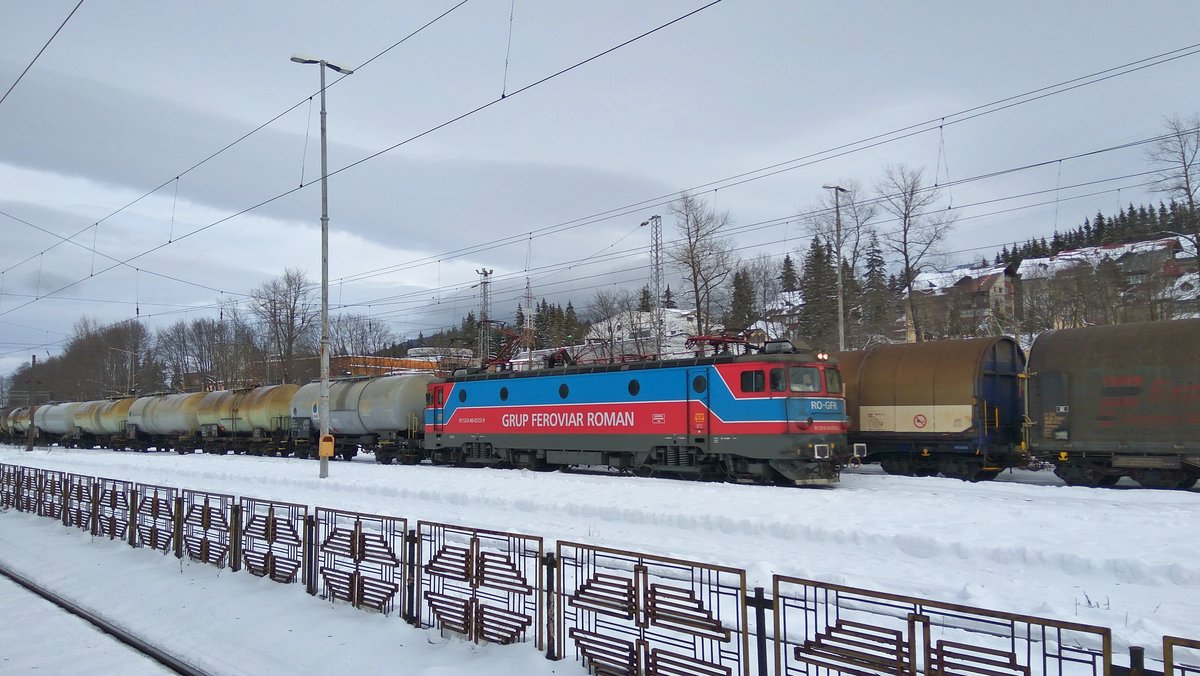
1125 559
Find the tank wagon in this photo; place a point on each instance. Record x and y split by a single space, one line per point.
55 421
384 415
6 434
165 422
253 420
1122 400
952 407
19 421
102 422
773 417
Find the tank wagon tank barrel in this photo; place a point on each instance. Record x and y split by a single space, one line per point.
382 414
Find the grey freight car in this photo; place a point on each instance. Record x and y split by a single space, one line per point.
1123 400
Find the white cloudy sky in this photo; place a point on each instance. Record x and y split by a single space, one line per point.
132 94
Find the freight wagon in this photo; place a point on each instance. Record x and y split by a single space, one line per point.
1122 400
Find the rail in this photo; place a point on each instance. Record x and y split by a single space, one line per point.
148 649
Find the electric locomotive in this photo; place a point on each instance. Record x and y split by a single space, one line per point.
773 416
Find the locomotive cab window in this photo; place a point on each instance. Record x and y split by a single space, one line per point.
753 381
833 381
805 379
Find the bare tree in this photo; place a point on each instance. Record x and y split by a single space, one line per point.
288 316
704 258
858 214
919 228
614 317
764 274
1176 157
358 334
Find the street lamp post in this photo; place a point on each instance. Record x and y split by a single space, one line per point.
323 406
837 219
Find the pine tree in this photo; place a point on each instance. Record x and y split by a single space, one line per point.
818 286
645 303
575 329
668 300
788 279
741 302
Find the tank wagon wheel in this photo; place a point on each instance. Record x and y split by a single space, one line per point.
1189 482
985 475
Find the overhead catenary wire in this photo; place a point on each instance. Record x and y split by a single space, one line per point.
969 113
39 54
735 231
1144 63
243 137
414 306
368 157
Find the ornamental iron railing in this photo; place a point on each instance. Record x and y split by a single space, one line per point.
616 611
485 585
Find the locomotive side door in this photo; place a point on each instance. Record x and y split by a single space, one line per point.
436 406
698 415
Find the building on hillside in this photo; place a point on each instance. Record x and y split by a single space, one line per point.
630 334
963 302
1114 283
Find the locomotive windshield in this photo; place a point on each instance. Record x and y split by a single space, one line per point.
833 380
805 379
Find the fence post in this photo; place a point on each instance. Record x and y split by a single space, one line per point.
18 488
410 578
1137 660
133 516
94 489
235 535
312 555
64 499
177 526
551 564
761 604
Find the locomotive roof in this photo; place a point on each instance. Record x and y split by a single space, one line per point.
800 357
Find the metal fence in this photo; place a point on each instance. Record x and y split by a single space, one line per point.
617 612
826 629
1181 656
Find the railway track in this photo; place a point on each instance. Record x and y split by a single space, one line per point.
162 657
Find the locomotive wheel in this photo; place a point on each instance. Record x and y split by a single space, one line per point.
1188 482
